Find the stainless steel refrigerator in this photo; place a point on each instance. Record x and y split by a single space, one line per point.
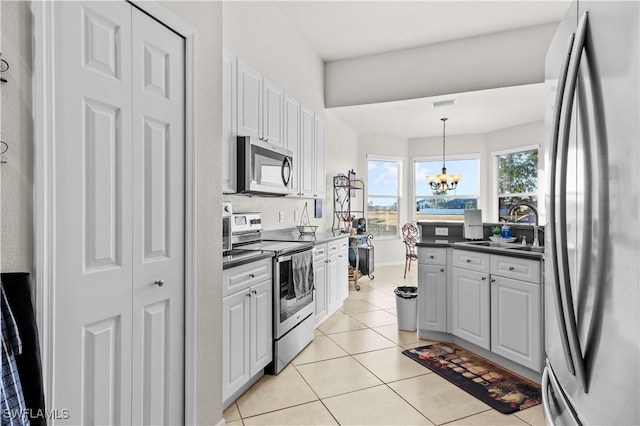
592 261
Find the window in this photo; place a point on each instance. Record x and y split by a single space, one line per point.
383 196
432 205
518 183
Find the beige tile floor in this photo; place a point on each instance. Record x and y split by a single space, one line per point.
354 373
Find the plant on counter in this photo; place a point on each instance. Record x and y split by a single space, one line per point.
495 230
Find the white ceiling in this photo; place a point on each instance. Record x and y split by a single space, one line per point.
474 112
344 29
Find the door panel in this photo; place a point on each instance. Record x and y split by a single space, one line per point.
103 194
158 222
101 370
93 202
119 138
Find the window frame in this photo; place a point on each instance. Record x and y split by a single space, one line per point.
398 198
435 158
495 199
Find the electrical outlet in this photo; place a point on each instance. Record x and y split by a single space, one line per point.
280 217
442 231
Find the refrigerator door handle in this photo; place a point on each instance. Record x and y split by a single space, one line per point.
548 417
550 383
564 337
563 252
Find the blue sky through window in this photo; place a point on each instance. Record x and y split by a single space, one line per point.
383 177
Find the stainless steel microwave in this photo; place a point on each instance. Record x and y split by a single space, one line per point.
263 168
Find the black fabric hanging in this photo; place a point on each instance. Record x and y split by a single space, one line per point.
17 287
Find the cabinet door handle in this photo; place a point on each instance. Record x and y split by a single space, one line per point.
484 278
248 294
159 283
511 268
340 256
493 280
468 260
254 291
432 257
252 275
441 269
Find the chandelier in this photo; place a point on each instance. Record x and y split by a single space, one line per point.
440 183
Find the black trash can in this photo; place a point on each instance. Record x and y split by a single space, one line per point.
407 307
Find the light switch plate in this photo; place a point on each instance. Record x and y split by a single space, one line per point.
442 231
280 217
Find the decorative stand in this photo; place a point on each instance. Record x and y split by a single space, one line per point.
358 270
305 226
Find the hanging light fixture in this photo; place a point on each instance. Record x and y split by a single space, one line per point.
440 183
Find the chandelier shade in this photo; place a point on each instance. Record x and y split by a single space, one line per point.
442 183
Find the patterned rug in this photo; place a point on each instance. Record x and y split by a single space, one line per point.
493 385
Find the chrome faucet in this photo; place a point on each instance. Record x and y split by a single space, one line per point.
536 241
524 204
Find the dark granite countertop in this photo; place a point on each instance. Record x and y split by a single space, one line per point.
242 257
439 241
463 244
292 234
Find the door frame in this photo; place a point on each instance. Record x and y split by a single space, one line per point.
44 189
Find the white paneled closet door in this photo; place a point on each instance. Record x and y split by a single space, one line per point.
119 217
158 222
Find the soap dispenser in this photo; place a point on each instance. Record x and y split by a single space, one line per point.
506 231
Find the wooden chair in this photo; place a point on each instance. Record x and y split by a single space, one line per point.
410 236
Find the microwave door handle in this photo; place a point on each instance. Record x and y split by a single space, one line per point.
567 294
286 163
564 337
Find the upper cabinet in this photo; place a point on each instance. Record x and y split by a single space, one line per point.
319 153
272 113
229 122
249 101
292 137
255 106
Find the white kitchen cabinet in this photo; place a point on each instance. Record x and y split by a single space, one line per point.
343 269
247 331
229 122
432 297
470 307
320 282
291 136
249 98
516 321
331 267
306 151
432 289
319 154
272 113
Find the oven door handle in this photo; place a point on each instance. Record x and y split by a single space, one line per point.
283 259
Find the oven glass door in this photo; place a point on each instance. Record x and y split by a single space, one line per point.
290 308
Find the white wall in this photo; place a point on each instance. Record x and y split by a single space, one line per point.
392 251
16 175
260 34
504 59
16 186
387 250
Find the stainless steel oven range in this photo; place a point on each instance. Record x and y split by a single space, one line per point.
293 281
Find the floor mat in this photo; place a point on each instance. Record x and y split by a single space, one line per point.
501 389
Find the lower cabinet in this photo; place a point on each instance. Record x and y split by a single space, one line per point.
247 335
331 267
516 321
320 281
470 308
432 297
